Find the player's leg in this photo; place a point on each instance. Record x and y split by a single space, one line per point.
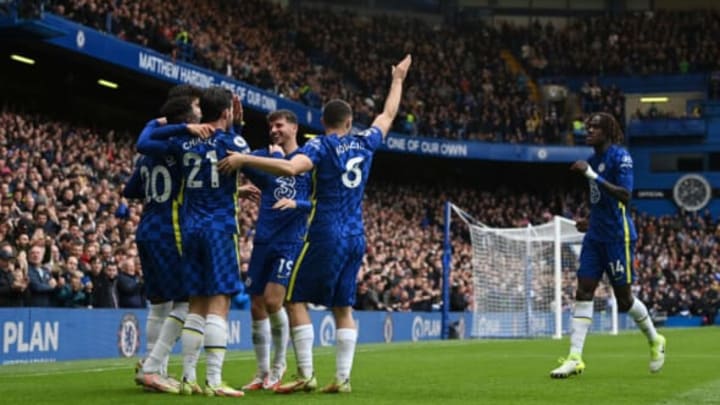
312 280
344 298
221 269
216 336
255 286
279 330
165 284
346 340
170 334
193 331
150 372
622 278
274 297
589 275
191 339
160 304
303 335
261 342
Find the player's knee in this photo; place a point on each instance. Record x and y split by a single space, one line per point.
273 303
624 303
257 307
584 294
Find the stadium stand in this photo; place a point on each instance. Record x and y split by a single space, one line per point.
63 197
312 60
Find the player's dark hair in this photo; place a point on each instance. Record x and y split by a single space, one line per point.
335 112
287 114
177 110
214 101
610 127
185 90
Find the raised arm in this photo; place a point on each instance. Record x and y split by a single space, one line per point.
392 102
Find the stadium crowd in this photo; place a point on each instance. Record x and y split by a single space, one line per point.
311 59
463 88
67 235
637 43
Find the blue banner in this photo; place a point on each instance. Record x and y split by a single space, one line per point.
667 127
638 84
30 335
484 150
84 40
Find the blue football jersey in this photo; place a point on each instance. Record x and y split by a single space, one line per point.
609 218
341 168
286 226
209 198
157 181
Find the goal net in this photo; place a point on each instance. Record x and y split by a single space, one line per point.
524 280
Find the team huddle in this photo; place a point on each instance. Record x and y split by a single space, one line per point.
309 239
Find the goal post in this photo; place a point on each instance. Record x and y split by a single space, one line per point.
524 279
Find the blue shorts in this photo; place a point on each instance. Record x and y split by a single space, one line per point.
162 270
613 258
210 263
325 272
271 263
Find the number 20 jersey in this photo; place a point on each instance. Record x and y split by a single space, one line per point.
159 179
340 173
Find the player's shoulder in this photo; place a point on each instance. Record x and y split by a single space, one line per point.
618 152
319 142
229 138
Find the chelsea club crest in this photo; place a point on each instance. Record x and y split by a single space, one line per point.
128 336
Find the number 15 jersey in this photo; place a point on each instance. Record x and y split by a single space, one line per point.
340 173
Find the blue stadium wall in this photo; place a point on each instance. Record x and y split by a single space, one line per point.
30 335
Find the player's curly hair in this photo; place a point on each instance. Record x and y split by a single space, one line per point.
610 127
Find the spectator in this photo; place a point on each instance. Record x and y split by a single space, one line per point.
13 283
106 287
42 285
129 285
74 294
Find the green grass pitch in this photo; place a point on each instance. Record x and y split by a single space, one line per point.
449 372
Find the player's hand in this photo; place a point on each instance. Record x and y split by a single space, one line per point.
161 121
202 131
285 204
237 110
272 149
231 162
580 166
250 192
400 70
581 224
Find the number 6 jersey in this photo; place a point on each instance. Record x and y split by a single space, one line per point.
341 167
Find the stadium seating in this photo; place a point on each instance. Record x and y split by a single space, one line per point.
311 56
